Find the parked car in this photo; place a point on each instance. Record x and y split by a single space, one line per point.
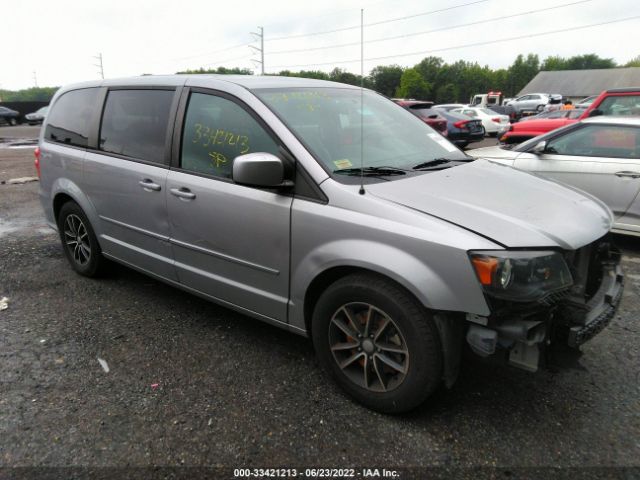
461 129
586 102
8 116
599 155
622 101
571 114
532 102
285 199
449 106
425 112
37 116
491 121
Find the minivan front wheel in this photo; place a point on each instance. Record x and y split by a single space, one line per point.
79 241
378 342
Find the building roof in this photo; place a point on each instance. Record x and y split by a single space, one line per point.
582 83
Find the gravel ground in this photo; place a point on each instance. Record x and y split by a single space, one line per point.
194 384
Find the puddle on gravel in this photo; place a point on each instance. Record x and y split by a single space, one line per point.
18 142
8 227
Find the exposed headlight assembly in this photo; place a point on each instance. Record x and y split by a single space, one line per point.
521 276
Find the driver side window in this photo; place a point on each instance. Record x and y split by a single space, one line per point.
216 131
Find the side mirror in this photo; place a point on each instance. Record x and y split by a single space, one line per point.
259 170
539 148
595 112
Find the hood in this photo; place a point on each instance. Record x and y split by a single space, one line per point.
508 206
493 152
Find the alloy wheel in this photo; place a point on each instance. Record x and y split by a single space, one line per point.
369 347
76 239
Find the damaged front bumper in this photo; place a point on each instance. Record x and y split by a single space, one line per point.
519 333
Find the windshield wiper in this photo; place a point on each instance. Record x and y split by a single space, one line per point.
438 162
371 171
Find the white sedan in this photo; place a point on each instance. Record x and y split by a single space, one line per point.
600 155
491 121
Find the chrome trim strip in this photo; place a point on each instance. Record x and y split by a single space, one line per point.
135 229
222 256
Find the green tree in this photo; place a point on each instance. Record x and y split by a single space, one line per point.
589 61
317 74
342 76
429 68
446 93
412 85
522 71
220 71
554 63
33 94
386 79
634 62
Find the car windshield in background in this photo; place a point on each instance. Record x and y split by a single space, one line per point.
329 121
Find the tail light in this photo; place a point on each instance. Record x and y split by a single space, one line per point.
495 119
461 124
36 153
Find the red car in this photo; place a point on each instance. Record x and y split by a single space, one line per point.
618 101
424 112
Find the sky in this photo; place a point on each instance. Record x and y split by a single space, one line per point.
52 43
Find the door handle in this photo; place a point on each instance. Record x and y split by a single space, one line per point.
149 185
628 174
183 193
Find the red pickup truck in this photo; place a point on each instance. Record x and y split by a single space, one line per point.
617 101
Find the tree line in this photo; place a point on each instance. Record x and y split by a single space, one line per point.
430 79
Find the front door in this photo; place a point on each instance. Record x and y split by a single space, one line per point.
600 159
230 242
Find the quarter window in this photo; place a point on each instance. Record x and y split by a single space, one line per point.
70 117
135 123
216 131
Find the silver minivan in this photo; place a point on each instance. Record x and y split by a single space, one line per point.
332 212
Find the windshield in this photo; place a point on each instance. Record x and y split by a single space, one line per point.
338 132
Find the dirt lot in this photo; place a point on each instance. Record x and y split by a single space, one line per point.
194 384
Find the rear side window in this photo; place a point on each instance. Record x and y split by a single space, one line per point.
216 131
134 123
70 117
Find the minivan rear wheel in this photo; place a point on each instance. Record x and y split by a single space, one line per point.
79 241
378 342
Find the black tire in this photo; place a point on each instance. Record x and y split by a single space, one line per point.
13 122
413 327
493 134
85 256
539 108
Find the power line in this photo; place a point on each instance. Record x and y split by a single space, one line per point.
424 32
377 23
227 61
212 53
475 44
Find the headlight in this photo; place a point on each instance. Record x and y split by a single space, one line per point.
520 276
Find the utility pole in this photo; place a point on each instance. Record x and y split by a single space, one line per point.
261 49
99 65
35 79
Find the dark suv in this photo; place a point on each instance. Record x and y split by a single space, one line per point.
9 116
